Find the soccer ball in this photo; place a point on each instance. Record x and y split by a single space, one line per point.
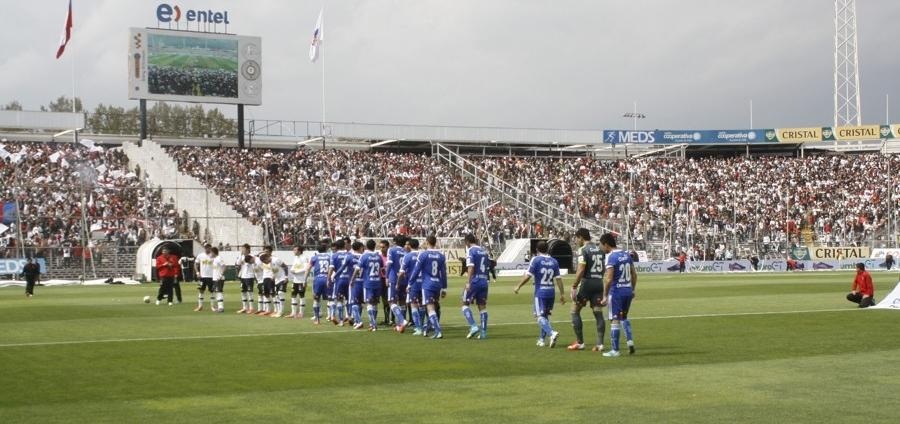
146 299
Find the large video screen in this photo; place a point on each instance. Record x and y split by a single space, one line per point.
194 67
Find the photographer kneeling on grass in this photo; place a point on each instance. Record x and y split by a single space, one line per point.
863 291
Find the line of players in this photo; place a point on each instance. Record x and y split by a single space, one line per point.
346 279
350 276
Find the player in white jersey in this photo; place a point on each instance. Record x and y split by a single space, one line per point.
204 265
280 275
263 300
247 266
218 281
269 271
298 288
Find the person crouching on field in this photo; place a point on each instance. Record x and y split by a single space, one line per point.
863 291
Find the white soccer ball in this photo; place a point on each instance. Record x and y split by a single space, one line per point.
146 299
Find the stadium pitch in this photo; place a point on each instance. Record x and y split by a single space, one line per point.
183 61
710 348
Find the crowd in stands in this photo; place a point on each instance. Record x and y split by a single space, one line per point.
61 189
303 196
309 195
838 199
192 82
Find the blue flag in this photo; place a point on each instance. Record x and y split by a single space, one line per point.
8 213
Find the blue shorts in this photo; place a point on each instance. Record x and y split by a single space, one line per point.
319 288
431 294
356 294
543 306
397 293
619 304
476 294
372 294
414 294
392 280
341 290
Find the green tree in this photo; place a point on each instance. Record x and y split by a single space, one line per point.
13 105
64 104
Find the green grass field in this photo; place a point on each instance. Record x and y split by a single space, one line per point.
782 348
184 61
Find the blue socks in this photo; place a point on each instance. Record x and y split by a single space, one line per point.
468 314
417 319
354 309
614 336
398 315
546 329
373 315
484 320
316 310
433 319
626 325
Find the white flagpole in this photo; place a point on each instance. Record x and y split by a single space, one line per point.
322 48
72 51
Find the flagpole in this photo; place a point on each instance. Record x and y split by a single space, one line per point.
322 47
74 119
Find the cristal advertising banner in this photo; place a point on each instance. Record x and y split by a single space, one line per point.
823 252
754 136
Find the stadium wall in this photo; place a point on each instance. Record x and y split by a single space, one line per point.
215 217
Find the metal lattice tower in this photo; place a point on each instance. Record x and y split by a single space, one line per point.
846 65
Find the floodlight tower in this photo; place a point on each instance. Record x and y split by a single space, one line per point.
846 65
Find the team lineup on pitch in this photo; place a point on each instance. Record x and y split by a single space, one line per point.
412 284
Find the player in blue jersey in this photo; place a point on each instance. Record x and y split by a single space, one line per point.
545 271
413 287
431 266
369 270
318 265
340 278
476 291
618 292
396 292
355 297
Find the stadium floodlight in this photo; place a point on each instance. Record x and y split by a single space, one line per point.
576 146
62 133
635 115
312 140
382 143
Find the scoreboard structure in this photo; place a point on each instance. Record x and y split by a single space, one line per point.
199 66
182 66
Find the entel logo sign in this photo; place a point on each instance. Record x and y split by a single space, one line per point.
167 13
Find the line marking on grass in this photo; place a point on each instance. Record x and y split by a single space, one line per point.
348 330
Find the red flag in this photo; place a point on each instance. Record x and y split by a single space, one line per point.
67 33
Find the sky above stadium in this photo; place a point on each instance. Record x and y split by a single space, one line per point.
690 64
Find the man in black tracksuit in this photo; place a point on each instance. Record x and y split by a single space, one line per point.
32 273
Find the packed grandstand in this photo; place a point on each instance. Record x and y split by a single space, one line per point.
710 207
